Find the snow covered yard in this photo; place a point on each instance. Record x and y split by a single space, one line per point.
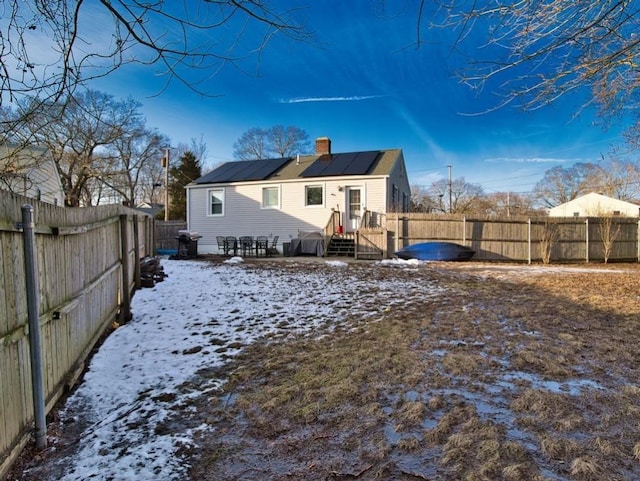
311 370
199 317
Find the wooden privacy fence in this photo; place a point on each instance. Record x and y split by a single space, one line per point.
166 233
88 267
575 239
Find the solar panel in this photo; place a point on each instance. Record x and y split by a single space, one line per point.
318 167
360 163
243 170
356 163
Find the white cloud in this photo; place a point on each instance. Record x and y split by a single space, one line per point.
531 160
300 100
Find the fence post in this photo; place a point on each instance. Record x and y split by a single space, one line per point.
33 314
464 230
125 308
638 243
151 236
586 222
529 240
355 246
397 246
137 275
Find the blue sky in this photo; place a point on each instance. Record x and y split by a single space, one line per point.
365 85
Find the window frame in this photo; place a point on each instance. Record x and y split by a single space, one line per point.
262 198
210 192
322 200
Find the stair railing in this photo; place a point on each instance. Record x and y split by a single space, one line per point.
331 228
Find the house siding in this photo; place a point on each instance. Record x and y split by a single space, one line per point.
595 205
398 177
243 214
47 185
41 180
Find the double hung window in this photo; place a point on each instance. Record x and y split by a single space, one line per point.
271 197
216 202
313 195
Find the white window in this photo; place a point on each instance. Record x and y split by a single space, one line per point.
216 202
314 195
270 197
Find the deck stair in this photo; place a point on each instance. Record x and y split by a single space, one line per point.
341 246
344 245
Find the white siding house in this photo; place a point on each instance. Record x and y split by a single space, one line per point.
30 171
280 197
595 205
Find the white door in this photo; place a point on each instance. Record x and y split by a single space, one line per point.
354 208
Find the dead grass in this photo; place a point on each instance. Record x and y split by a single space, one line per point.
502 376
543 405
556 448
585 468
432 362
437 363
481 382
636 451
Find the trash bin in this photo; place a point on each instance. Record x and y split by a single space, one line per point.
187 244
285 248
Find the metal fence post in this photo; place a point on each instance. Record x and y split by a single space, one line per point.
33 313
125 307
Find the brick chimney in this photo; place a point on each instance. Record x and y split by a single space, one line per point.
323 145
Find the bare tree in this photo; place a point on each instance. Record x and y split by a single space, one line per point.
276 141
560 184
623 174
49 47
539 51
608 228
196 147
456 197
506 204
609 231
288 141
82 133
131 174
251 145
549 237
421 200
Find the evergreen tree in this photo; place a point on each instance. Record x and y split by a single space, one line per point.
186 172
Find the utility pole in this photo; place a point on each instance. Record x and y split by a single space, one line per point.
165 164
450 189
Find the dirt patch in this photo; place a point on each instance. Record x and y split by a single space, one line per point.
506 374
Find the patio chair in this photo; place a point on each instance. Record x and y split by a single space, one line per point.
273 249
262 245
220 240
230 244
246 245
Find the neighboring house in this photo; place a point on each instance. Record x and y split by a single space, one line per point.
281 197
595 205
151 208
30 171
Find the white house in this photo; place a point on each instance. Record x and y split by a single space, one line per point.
281 197
595 205
30 171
